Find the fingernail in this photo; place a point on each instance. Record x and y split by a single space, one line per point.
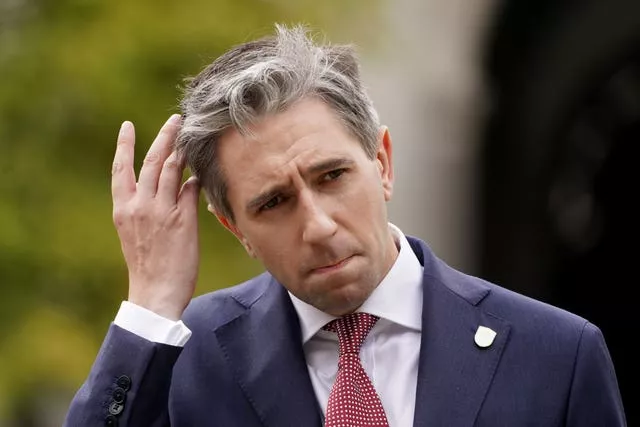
175 119
125 125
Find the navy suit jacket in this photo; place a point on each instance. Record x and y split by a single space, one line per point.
244 364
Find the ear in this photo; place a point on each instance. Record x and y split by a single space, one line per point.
384 161
229 225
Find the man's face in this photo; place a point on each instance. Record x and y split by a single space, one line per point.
311 206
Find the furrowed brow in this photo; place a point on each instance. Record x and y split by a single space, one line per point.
323 166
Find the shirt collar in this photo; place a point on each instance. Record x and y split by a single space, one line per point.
398 297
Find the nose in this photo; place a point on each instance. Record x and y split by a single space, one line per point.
318 225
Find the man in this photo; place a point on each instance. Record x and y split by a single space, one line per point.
353 323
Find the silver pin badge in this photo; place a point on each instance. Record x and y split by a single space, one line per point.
484 336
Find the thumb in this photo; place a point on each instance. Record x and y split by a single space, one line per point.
189 192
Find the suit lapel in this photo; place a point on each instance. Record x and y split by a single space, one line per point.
454 373
264 349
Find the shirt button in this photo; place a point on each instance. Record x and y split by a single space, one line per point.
111 421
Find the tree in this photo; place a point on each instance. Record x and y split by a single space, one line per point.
71 71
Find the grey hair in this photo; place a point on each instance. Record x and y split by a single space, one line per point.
267 76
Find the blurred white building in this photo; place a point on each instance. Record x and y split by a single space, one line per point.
426 83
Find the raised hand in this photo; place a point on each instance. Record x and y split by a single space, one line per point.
156 220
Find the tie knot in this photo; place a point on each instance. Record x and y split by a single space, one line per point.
352 330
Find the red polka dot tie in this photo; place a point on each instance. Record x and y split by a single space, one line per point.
353 402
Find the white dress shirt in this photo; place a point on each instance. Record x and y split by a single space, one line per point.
389 354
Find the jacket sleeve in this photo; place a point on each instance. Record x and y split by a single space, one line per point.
128 384
595 397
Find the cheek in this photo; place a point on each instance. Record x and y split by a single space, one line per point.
366 200
276 254
367 213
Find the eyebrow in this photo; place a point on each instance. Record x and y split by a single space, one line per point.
329 164
263 198
322 166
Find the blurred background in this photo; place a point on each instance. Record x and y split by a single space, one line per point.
515 123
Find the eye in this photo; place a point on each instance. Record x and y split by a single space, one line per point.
272 203
333 175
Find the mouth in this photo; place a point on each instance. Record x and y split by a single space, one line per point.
330 268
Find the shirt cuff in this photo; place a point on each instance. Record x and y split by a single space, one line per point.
151 326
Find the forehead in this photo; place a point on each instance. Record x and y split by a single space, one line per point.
278 134
307 133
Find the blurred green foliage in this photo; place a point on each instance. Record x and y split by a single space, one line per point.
70 72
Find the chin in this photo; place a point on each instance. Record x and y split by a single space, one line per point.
343 300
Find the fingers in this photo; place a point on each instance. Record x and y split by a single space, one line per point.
170 178
123 178
156 156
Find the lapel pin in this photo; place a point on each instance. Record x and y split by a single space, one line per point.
484 336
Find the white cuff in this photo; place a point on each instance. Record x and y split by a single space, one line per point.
151 326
